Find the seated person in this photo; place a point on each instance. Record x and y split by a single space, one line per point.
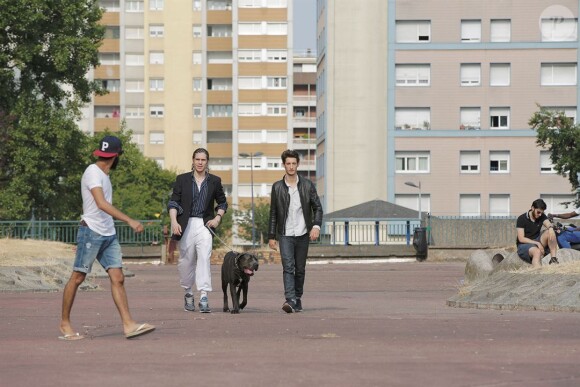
531 241
568 235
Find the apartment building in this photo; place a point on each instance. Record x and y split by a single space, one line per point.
201 73
304 112
464 77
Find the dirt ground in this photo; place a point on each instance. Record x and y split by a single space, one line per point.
28 252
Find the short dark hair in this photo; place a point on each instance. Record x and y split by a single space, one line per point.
290 153
540 204
201 150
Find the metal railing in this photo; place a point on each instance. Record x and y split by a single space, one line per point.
66 231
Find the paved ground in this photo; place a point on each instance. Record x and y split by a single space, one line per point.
364 325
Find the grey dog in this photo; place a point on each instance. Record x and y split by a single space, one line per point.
236 272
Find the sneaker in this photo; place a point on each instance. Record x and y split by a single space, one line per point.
298 305
289 306
204 305
189 303
553 260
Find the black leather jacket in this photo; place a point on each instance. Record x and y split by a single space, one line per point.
280 202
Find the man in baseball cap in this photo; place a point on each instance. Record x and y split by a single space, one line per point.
97 241
110 146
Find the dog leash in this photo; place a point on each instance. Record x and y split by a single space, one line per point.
219 239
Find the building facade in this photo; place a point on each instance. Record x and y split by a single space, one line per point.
201 73
462 80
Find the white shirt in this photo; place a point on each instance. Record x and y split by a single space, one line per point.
97 220
295 223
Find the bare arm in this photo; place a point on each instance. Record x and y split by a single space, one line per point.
566 215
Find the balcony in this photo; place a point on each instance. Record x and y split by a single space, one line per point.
304 122
304 100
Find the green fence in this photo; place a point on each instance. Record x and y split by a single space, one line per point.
66 231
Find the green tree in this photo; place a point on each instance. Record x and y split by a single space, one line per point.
46 50
561 137
224 231
261 220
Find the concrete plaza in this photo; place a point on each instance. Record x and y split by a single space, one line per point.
380 324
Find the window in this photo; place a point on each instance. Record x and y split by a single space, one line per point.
569 111
134 86
156 84
197 57
219 5
197 31
113 85
546 165
110 5
156 30
156 57
197 136
277 55
276 109
276 136
219 57
197 5
558 74
219 110
247 109
469 161
499 118
412 201
559 29
274 163
219 30
263 190
470 74
470 118
196 84
249 83
156 138
134 60
262 136
559 203
499 74
197 111
156 5
250 3
413 31
470 31
156 111
412 162
249 55
219 84
500 30
469 205
112 32
276 28
134 112
276 82
219 136
499 205
134 33
106 58
276 3
220 163
413 74
134 6
250 29
412 118
499 161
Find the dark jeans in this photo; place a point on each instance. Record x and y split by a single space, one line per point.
294 251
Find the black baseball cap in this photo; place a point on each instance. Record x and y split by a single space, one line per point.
110 146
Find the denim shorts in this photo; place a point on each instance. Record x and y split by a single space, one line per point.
91 246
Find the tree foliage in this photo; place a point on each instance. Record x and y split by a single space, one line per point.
261 220
561 137
46 50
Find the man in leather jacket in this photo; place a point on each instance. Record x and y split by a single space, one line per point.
295 220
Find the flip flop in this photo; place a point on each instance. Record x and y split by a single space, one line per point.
71 337
141 330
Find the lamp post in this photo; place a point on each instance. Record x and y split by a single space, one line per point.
251 156
415 185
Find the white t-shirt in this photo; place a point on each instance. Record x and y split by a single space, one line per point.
97 220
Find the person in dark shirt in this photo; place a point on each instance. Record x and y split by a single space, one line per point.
531 240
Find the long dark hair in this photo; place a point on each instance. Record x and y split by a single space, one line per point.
201 150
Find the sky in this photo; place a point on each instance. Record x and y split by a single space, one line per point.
305 24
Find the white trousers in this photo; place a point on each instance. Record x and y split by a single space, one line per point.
194 264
